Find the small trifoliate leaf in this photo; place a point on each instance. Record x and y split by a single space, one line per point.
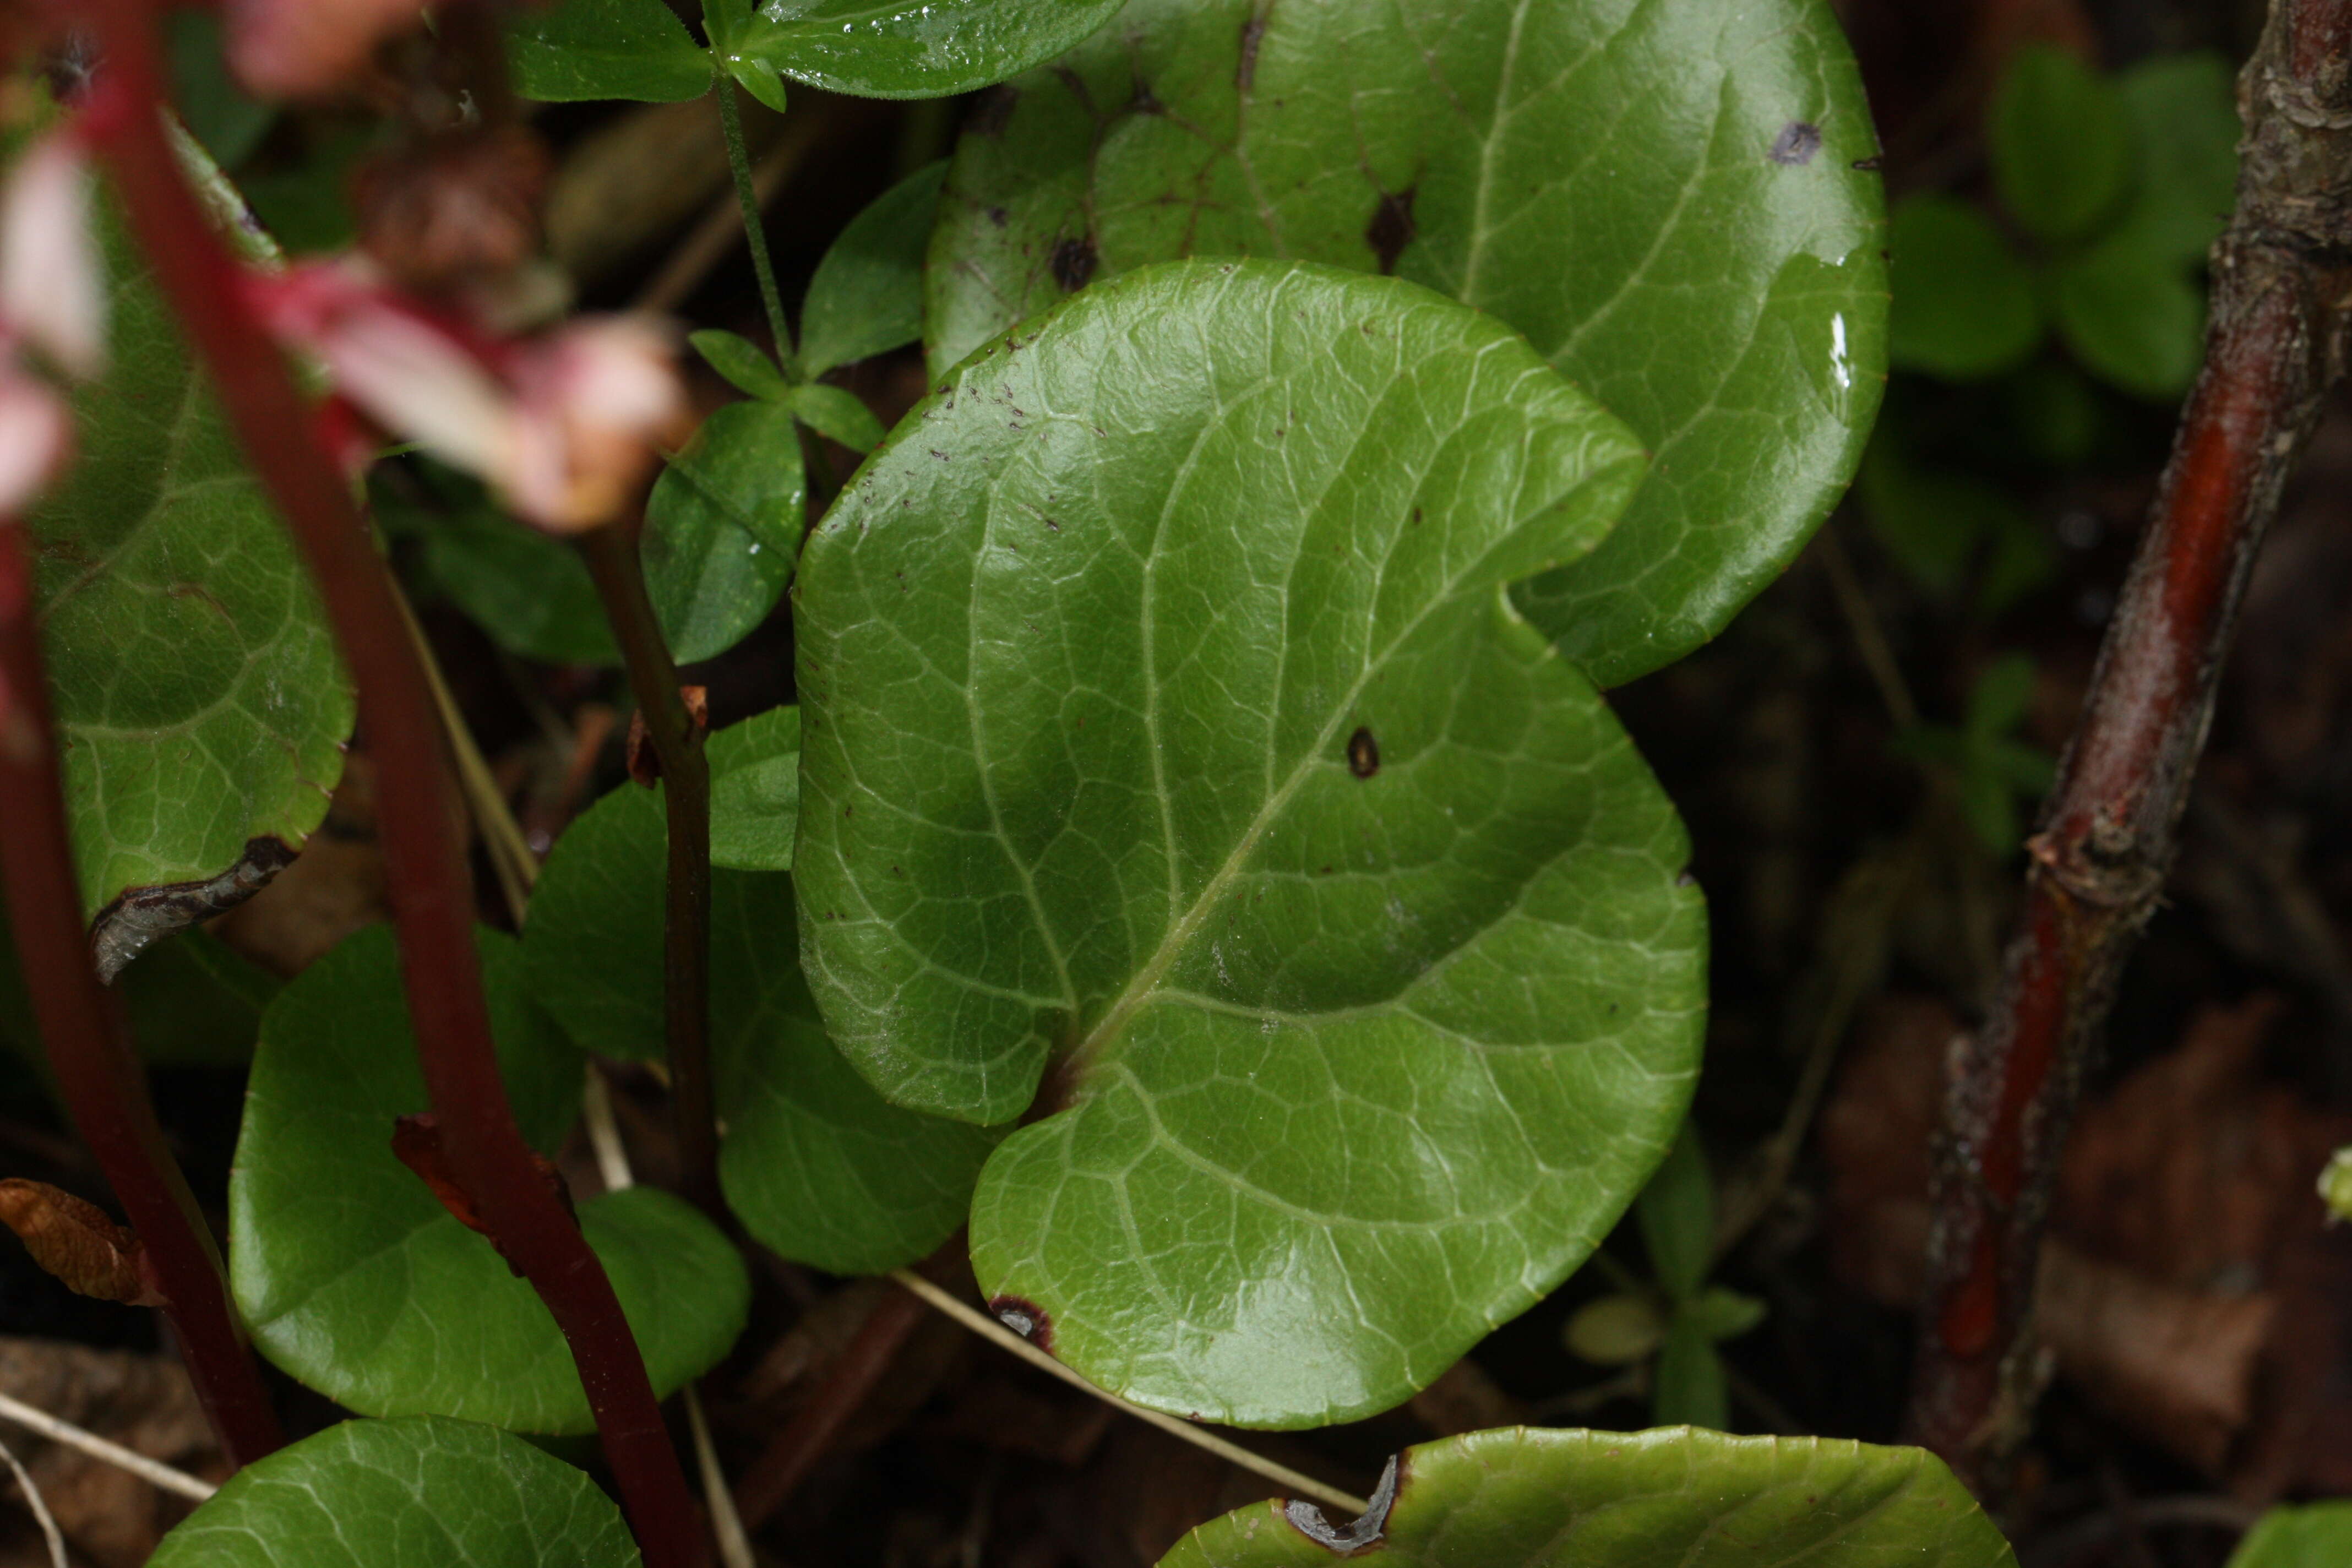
2184 121
1964 307
2133 317
741 361
1676 1210
1615 1330
866 297
2061 143
419 1493
841 415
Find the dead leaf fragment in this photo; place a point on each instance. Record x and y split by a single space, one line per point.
78 1242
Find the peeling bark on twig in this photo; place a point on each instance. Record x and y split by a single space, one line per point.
2282 275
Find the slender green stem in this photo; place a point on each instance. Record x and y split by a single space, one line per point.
755 232
612 556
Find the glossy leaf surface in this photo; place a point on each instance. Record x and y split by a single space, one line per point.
353 1277
866 297
887 48
817 1166
1662 198
1164 717
1666 1499
419 1493
723 526
577 50
2318 1535
192 667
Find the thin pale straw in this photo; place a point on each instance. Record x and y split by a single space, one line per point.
97 1447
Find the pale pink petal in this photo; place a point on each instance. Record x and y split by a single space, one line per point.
301 49
52 274
36 440
606 390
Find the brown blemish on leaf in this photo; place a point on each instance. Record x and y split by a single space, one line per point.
139 916
1363 753
1253 35
1074 262
1797 142
1024 1318
1364 1532
1392 227
78 1243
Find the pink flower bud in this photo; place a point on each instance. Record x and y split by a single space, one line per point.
304 48
52 276
36 440
597 398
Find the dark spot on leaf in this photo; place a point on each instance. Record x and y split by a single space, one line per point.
1390 229
1363 753
993 113
1073 263
1347 1539
1252 33
1024 1318
1873 162
1144 100
1000 217
1797 142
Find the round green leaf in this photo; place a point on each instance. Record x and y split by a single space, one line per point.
193 674
577 50
1165 718
1964 307
420 1493
1668 1498
866 297
818 1166
1664 198
353 1277
722 528
2317 1536
2061 143
882 49
2133 317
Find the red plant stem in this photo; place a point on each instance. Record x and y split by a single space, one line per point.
2108 833
89 1049
427 880
770 1481
611 554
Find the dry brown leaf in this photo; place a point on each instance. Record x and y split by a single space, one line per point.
78 1243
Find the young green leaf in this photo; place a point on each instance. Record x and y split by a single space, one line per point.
1664 198
866 297
723 528
2133 317
529 592
1964 307
418 1493
1687 1385
1166 720
755 792
1673 1498
815 1164
1677 1214
194 675
2061 143
575 49
2317 1535
842 415
873 49
743 363
355 1278
2184 121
